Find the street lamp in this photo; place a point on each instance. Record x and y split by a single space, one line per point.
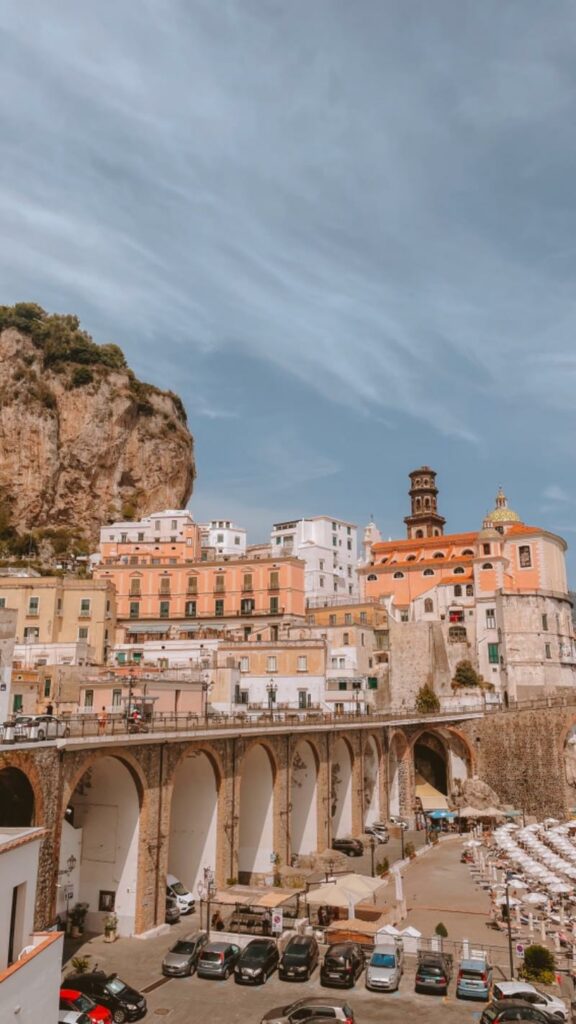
509 926
206 890
271 690
372 842
70 865
329 869
402 840
206 687
131 680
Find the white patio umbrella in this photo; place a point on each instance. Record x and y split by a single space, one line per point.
535 898
512 901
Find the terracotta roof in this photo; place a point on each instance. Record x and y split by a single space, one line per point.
448 540
455 579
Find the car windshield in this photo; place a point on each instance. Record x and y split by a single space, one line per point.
471 974
183 947
255 953
430 969
296 953
212 957
115 986
179 889
383 960
83 1002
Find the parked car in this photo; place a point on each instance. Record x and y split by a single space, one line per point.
322 1008
474 979
299 959
257 961
74 1000
110 991
351 847
530 994
181 894
343 964
433 973
72 1017
379 830
217 960
503 1010
385 968
49 727
399 822
180 961
172 915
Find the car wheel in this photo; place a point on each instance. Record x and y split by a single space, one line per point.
119 1016
226 974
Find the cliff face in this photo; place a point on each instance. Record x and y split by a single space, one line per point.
82 441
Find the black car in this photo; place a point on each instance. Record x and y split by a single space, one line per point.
343 964
433 973
299 959
110 991
257 961
515 1010
351 847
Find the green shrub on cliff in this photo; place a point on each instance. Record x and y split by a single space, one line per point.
60 337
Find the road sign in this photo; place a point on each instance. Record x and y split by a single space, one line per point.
520 950
277 922
68 892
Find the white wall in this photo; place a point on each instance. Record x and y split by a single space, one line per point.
371 782
256 838
303 797
31 992
341 790
287 688
193 818
17 867
70 846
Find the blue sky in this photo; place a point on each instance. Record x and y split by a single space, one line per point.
342 231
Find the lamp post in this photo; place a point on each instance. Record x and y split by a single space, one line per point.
206 686
329 870
509 927
372 851
271 690
206 890
131 680
402 840
70 865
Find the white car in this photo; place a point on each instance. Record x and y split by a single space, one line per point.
531 994
399 822
73 1017
180 893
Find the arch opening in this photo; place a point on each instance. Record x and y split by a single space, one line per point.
256 833
431 763
303 798
101 831
193 820
341 789
17 804
397 772
372 810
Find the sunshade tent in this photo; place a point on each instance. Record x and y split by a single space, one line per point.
360 884
469 812
275 899
432 799
331 895
491 812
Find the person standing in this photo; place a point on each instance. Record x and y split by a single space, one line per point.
102 721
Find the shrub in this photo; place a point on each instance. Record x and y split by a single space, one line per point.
81 376
409 850
81 964
441 930
465 675
426 700
539 965
383 866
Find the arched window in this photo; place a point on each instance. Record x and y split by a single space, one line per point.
428 572
457 590
398 576
467 551
438 554
458 571
410 558
436 533
469 590
428 605
417 504
487 565
426 502
372 578
383 561
419 534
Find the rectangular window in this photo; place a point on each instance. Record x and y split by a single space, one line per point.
165 585
342 684
85 606
2 602
321 581
236 540
140 537
174 524
271 663
33 605
123 538
321 564
134 609
486 549
164 609
346 639
310 620
274 606
348 618
88 698
190 609
331 620
17 702
493 654
545 623
274 581
247 606
247 581
244 664
274 633
548 650
116 698
334 542
47 686
192 584
303 699
83 632
349 545
524 556
363 619
219 584
490 618
157 524
31 632
219 607
302 663
135 588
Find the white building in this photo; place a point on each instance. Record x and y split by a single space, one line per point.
30 962
169 525
329 549
8 617
223 537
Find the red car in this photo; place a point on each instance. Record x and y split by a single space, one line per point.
72 999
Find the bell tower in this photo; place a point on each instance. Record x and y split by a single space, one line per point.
423 520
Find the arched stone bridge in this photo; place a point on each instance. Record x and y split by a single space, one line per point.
133 808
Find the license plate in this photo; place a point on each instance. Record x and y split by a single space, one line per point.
333 974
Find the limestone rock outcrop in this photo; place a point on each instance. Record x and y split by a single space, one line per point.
82 440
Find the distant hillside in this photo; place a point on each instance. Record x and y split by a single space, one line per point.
82 440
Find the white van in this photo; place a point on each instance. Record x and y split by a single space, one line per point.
180 893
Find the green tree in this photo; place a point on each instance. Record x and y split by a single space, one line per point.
465 675
539 965
426 700
441 930
82 375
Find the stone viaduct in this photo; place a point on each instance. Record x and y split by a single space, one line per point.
245 801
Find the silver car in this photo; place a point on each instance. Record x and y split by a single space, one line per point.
47 727
217 960
316 1008
384 969
181 960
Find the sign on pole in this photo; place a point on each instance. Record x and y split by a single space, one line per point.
520 950
277 922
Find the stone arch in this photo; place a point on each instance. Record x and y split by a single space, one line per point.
193 815
399 774
342 764
31 791
17 798
258 772
101 828
304 770
372 788
431 762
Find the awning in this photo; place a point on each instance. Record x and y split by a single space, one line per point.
143 628
432 799
275 899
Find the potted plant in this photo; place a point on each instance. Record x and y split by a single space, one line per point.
410 851
383 867
77 919
81 964
110 928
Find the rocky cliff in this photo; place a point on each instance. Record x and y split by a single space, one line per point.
82 441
